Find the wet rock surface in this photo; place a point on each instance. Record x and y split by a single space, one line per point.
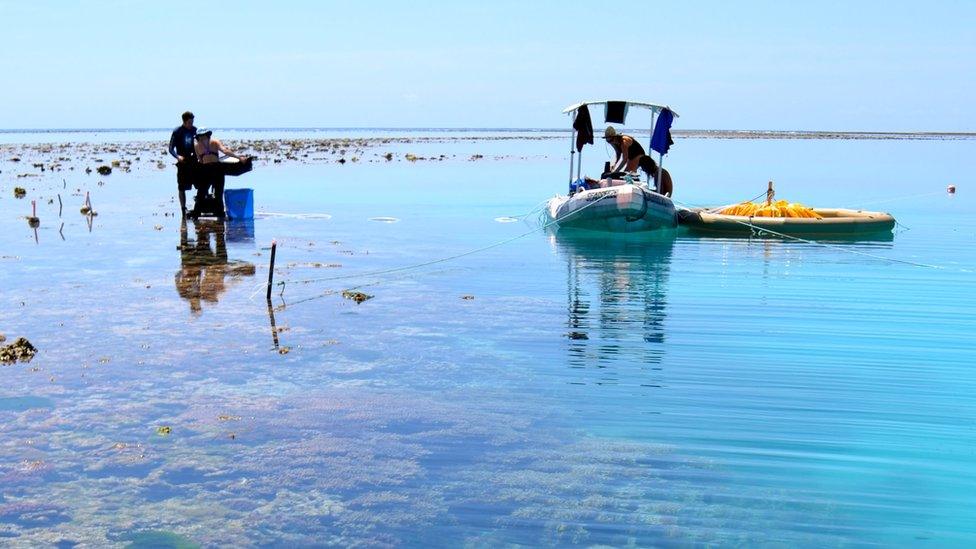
358 297
20 350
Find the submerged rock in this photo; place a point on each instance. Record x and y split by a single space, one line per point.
20 350
159 539
358 297
32 514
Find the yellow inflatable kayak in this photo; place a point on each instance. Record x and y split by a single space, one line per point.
827 222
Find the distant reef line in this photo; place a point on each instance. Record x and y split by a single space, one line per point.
555 133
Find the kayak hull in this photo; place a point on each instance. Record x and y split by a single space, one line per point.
621 209
832 222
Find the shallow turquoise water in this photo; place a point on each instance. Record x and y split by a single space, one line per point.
672 390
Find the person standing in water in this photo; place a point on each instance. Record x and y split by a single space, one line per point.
181 148
210 172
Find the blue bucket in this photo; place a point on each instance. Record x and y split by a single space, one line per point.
239 203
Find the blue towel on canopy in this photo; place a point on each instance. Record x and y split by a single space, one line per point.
661 139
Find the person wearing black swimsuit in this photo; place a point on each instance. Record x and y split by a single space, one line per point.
210 173
627 149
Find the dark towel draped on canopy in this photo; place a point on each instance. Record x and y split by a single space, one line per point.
583 127
661 140
616 112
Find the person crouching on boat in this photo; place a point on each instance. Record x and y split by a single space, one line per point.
630 156
628 151
210 172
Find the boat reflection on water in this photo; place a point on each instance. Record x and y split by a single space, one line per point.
616 296
204 264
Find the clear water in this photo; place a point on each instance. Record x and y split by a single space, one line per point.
672 390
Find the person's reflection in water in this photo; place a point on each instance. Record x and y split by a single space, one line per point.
202 276
617 291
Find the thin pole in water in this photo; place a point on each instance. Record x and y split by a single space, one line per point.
274 246
274 329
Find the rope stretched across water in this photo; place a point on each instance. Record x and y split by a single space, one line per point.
392 270
760 230
556 221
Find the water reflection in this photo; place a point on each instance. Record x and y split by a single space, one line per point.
204 264
616 296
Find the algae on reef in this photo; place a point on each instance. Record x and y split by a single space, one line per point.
20 350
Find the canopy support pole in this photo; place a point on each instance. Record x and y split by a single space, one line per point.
660 166
650 137
572 151
579 165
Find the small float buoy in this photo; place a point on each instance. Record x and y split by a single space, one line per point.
951 189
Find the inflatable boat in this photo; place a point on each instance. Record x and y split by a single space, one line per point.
619 201
829 222
624 208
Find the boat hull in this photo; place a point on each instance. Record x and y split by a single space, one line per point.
832 222
622 209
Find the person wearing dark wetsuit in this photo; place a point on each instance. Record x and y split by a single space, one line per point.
181 148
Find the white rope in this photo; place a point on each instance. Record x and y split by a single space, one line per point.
885 201
295 216
543 227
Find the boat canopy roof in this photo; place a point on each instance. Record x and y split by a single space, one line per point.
651 106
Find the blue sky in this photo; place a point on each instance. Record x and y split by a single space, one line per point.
898 66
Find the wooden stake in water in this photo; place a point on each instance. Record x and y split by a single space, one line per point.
274 246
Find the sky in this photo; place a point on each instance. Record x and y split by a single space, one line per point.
852 66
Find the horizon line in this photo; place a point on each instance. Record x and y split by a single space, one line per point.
471 129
